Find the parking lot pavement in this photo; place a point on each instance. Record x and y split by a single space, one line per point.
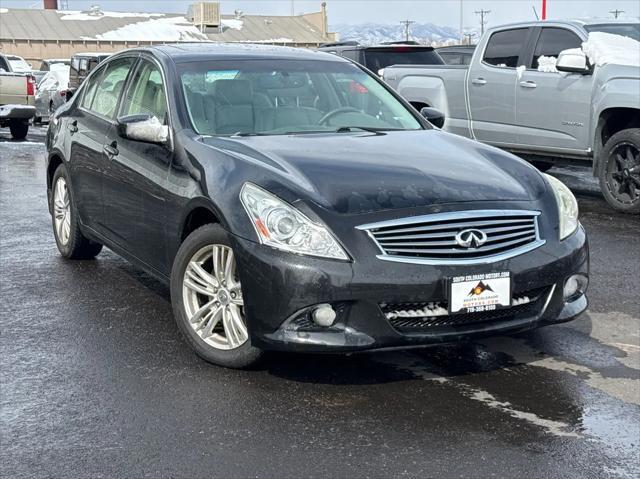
96 381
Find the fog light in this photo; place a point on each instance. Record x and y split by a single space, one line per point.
574 286
324 315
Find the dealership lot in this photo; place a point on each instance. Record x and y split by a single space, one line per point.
97 382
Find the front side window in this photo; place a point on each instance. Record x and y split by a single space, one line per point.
110 86
146 93
271 97
504 48
552 41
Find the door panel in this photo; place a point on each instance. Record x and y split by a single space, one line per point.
491 86
553 109
135 185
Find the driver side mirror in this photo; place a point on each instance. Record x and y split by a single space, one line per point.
573 61
433 116
145 128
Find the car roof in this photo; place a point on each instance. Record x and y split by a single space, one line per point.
185 52
571 22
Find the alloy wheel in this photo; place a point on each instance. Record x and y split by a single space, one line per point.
62 211
212 297
623 173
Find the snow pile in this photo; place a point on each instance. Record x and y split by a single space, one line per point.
234 23
83 16
168 29
4 10
547 64
605 48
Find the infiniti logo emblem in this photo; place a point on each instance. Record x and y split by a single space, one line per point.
471 238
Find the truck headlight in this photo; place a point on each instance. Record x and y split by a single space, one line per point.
567 206
282 226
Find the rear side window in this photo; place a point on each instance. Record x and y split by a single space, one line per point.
504 48
109 87
452 58
90 89
146 93
552 41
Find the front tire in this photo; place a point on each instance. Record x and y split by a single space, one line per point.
71 243
619 171
19 129
207 299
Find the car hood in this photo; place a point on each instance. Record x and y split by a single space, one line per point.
353 173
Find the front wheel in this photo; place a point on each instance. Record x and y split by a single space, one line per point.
619 171
207 299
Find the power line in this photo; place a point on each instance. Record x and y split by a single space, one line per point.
407 26
616 12
483 22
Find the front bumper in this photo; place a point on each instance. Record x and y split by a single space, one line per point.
280 289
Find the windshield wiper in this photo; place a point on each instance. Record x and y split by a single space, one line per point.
347 129
248 133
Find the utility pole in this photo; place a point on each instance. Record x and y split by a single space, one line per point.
616 12
461 22
469 36
293 9
407 26
483 22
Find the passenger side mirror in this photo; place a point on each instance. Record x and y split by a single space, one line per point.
573 61
433 116
143 128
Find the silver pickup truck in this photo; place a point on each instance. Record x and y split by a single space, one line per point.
17 100
578 113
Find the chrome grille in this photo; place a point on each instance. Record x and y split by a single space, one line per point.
432 239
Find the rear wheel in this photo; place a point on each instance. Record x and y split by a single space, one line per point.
72 244
207 299
619 171
19 129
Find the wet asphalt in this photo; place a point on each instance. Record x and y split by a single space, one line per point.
96 381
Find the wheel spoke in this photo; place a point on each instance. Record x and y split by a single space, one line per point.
238 322
216 315
619 162
630 157
200 313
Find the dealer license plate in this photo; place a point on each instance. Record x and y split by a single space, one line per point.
480 292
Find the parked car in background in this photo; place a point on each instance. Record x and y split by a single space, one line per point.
376 58
514 95
456 54
17 91
17 64
81 65
52 91
293 201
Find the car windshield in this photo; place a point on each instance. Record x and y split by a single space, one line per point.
631 30
276 97
18 64
378 58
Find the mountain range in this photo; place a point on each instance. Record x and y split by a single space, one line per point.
372 33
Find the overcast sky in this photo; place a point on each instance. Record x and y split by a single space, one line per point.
440 12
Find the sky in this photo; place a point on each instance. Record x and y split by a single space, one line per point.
439 12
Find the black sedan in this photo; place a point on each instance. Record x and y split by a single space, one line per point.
295 202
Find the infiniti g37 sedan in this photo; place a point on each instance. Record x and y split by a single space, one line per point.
295 202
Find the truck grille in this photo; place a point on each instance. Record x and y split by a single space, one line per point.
436 239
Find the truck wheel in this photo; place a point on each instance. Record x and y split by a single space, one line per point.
619 171
19 129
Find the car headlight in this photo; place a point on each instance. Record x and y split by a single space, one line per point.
567 206
282 226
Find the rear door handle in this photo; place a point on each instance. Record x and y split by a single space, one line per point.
528 84
479 81
111 150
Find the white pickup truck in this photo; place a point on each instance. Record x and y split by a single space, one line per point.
521 94
17 99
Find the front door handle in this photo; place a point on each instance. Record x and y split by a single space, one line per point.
528 84
111 150
73 126
479 81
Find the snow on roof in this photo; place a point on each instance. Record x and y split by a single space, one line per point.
606 48
4 10
234 23
79 16
167 29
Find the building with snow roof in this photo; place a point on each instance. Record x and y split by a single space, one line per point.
36 34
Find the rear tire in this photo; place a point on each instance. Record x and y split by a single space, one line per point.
619 171
209 306
71 243
19 129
